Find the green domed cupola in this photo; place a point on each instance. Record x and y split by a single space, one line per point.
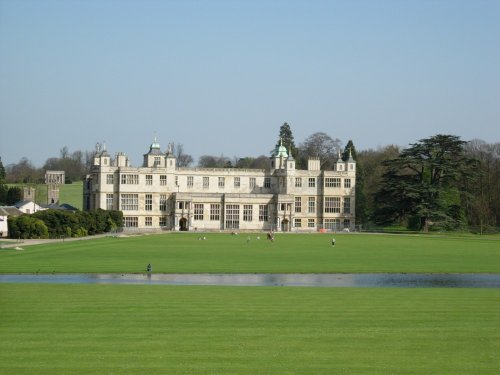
280 150
279 157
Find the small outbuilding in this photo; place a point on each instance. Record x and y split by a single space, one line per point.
5 212
28 207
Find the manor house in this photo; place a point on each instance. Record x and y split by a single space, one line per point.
161 195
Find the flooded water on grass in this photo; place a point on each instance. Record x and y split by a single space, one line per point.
379 280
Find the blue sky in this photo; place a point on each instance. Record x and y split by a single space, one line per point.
221 77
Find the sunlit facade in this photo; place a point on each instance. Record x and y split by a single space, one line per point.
160 195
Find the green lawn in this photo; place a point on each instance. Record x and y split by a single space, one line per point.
72 194
162 329
290 253
152 329
69 193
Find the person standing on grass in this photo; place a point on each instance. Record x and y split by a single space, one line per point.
149 268
333 242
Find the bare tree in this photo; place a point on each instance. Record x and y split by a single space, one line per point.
23 171
183 159
320 145
210 161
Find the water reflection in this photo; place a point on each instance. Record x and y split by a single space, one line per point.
381 280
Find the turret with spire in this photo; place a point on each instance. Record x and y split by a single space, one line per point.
154 158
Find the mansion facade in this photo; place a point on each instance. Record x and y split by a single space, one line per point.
160 195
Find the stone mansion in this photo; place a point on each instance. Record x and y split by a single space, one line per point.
160 195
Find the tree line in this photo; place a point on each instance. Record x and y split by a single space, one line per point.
438 183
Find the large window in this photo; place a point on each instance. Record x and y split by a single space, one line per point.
331 224
253 182
190 182
247 212
236 182
109 201
267 182
130 179
130 222
232 216
163 221
332 204
263 212
109 179
206 182
148 221
298 182
157 161
163 180
198 211
347 183
149 179
311 223
214 212
312 182
222 182
148 202
298 204
347 205
332 182
163 202
298 223
311 205
129 202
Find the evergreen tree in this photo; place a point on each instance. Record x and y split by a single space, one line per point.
3 194
14 195
3 188
286 136
2 172
421 185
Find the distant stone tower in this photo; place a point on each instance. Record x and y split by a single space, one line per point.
29 193
53 179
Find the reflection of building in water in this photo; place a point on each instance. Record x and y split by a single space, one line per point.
53 179
282 198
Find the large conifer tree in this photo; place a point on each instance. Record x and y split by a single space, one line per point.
286 136
422 185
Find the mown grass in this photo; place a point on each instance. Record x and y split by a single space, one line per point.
151 329
72 194
161 329
290 253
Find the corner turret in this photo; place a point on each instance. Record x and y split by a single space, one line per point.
101 156
351 163
171 160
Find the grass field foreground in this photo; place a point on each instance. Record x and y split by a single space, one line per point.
138 329
244 253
